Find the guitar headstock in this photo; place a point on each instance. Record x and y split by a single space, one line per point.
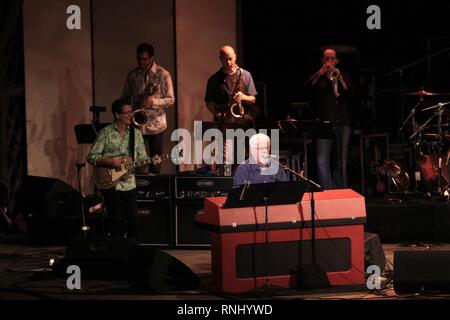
177 157
157 159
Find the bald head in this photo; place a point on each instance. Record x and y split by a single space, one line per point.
227 57
226 50
330 57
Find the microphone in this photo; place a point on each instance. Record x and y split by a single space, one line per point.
269 156
244 189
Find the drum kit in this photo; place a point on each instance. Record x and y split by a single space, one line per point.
431 141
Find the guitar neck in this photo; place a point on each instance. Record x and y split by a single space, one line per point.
137 164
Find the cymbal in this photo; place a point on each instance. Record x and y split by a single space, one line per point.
435 135
425 93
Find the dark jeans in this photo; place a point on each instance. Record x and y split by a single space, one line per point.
154 146
336 179
122 216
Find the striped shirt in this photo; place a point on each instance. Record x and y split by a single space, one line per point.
159 81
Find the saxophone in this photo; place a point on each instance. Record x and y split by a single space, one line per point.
140 116
233 104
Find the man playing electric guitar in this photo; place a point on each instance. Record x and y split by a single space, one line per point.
116 144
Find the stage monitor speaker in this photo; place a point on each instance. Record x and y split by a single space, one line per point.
373 251
48 197
123 259
52 209
158 271
418 271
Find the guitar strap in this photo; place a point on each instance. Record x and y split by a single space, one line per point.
131 144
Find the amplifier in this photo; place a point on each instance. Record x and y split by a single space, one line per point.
201 187
154 222
150 187
187 233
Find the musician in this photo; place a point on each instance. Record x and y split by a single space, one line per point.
255 169
149 86
330 92
230 85
222 85
112 143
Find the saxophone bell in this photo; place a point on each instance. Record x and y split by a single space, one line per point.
140 117
236 109
239 112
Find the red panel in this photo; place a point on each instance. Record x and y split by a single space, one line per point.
224 259
330 204
333 204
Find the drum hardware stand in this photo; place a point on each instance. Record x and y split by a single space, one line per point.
400 71
412 116
438 113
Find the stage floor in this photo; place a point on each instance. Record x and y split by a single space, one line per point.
25 275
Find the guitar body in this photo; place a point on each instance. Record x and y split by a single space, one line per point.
106 178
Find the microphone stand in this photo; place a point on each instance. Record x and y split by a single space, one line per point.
309 276
267 288
84 228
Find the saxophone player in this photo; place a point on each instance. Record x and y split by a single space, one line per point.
230 86
220 90
149 86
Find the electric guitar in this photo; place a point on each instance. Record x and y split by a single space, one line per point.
107 177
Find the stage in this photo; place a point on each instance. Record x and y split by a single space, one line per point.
415 218
25 275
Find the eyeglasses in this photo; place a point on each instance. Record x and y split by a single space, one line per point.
128 112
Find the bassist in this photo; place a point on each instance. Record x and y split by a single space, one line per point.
113 143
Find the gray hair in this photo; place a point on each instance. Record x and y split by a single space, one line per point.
258 139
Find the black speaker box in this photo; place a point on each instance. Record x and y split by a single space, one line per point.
52 209
373 251
48 197
154 223
157 271
123 259
187 232
421 270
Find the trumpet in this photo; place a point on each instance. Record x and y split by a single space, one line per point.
140 117
332 75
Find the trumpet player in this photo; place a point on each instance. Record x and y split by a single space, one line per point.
330 93
149 87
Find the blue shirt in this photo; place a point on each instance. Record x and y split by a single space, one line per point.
251 172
